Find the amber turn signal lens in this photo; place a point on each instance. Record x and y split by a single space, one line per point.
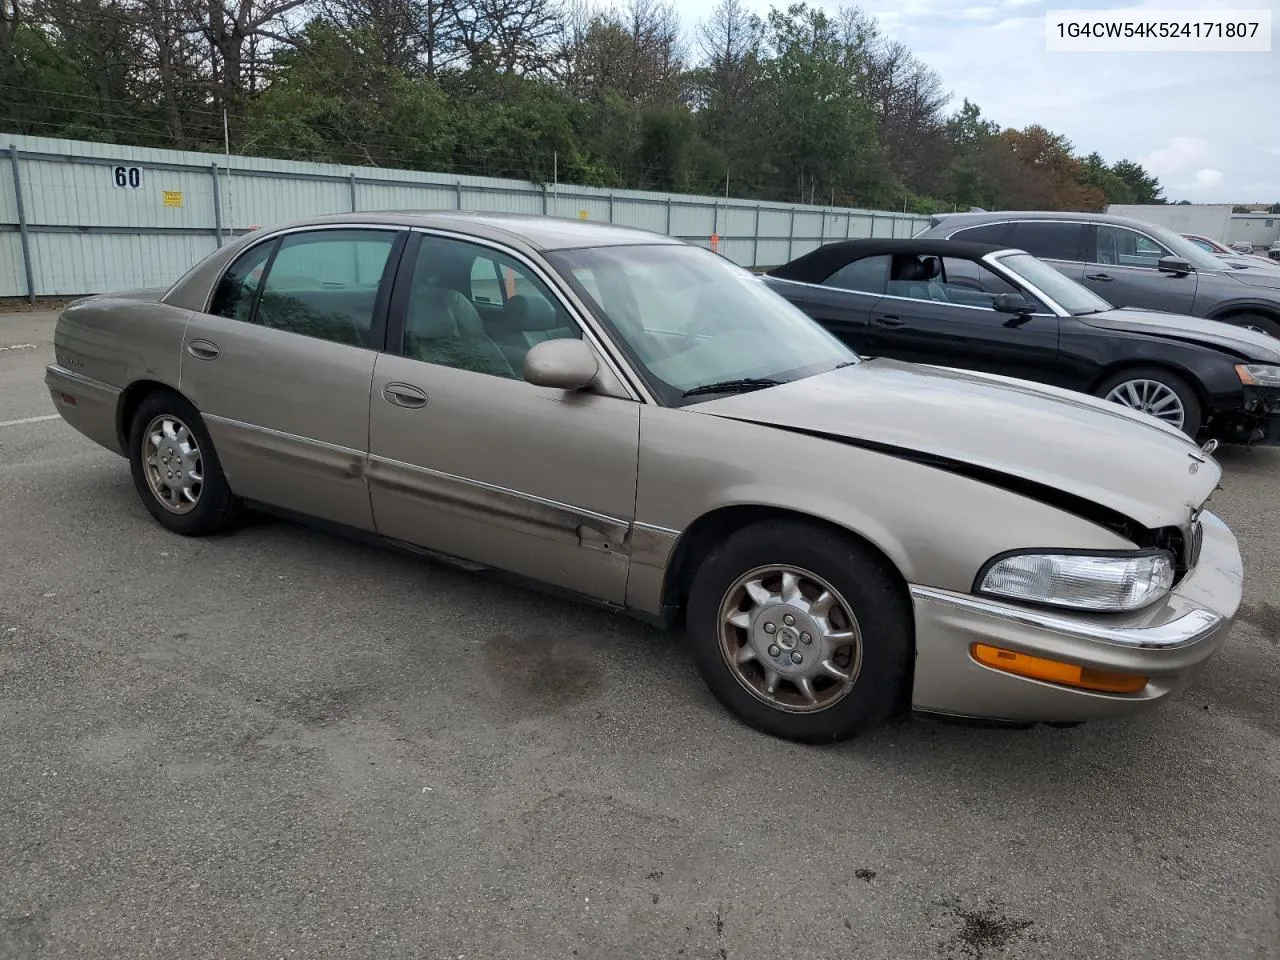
1055 671
1245 376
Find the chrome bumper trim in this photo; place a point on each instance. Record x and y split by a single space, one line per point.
56 371
1188 629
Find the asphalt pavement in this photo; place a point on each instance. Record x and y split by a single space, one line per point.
279 743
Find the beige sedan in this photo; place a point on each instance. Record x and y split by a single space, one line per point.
639 423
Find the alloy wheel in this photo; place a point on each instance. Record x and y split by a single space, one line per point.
1151 397
790 639
173 464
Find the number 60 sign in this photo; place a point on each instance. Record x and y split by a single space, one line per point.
127 177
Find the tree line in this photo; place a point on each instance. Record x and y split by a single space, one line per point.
797 105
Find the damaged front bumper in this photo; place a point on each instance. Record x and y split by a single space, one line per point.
1255 422
1167 644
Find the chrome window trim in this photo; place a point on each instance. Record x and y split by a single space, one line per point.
284 232
1183 631
598 338
960 306
992 260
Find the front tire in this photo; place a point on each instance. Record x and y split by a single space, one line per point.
801 631
1156 392
175 469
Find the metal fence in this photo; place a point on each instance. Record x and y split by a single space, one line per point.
79 217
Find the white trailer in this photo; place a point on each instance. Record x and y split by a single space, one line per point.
1211 220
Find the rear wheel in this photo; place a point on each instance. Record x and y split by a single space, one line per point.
800 631
1160 393
175 469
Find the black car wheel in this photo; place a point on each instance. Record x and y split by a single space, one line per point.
801 631
1157 392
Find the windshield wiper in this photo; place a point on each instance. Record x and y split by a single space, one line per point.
733 386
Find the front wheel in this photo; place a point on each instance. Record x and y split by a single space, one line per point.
175 469
1159 393
801 631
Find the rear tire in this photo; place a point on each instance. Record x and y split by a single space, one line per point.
1133 383
1254 321
810 610
176 470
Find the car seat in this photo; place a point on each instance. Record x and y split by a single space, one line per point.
1108 251
916 278
528 320
443 327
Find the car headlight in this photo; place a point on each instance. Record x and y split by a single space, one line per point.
1258 374
1095 582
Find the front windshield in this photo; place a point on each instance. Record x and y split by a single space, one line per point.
689 318
1064 291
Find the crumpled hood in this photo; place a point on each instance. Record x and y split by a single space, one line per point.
1128 462
1249 344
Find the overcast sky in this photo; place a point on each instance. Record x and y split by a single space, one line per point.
1206 124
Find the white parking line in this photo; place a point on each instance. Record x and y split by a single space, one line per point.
15 423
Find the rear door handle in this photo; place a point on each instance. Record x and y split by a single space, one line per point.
203 349
1104 277
403 395
888 320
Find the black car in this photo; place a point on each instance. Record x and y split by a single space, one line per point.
989 308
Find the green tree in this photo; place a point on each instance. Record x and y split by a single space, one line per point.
1145 187
820 131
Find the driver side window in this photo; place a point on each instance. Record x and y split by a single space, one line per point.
1128 248
475 308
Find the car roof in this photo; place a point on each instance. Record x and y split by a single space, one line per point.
530 232
535 230
1001 216
819 264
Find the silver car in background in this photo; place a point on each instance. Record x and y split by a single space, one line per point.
1129 263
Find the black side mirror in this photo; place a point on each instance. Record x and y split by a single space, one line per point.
1014 303
1175 265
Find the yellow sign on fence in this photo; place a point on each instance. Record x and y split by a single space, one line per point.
582 214
173 198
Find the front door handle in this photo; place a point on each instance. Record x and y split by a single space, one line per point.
203 349
1104 277
888 320
403 395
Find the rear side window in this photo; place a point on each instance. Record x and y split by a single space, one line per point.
867 275
1048 241
325 284
985 233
